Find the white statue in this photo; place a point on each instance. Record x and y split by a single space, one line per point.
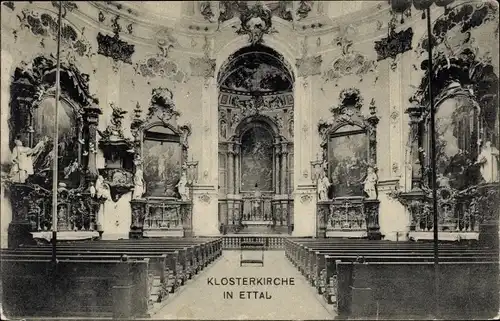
488 159
323 185
371 183
102 189
182 187
139 184
22 159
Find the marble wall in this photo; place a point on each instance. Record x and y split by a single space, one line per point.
185 53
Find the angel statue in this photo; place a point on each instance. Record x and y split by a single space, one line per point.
182 187
22 159
103 190
371 183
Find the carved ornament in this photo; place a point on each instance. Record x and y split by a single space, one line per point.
162 105
305 198
205 198
202 67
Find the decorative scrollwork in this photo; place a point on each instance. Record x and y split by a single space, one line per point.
45 25
256 22
394 44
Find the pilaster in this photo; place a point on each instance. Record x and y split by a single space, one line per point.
205 209
304 202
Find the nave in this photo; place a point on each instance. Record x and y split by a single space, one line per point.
200 300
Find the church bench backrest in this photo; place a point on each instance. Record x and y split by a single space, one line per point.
74 288
467 289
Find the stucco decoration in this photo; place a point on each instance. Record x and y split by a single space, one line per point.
44 25
349 63
395 44
255 22
115 48
204 66
66 6
160 65
231 9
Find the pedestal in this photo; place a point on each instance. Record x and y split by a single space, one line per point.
205 208
305 210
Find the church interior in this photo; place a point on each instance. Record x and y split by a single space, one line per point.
153 140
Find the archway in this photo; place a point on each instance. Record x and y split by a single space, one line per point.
255 142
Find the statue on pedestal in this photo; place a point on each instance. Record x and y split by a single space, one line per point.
371 180
323 185
182 187
488 160
22 159
139 183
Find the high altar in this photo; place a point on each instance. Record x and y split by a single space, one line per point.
302 118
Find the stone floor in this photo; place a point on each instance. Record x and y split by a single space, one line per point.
200 300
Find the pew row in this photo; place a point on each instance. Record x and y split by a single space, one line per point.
171 262
318 261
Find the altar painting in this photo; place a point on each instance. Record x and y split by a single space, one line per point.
456 143
68 142
347 160
257 160
162 167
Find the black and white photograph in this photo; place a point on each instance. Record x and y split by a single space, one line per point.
250 160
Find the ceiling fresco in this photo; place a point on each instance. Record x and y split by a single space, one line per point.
256 69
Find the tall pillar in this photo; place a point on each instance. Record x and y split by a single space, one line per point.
205 202
304 203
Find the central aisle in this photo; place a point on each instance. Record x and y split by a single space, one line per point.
200 300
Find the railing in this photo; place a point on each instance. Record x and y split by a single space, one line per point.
270 242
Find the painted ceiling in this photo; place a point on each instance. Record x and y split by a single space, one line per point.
256 69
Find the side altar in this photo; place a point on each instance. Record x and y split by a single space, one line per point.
162 198
346 176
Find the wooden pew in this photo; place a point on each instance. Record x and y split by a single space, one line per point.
75 288
385 290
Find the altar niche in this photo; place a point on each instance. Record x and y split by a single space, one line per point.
161 204
29 182
346 175
255 143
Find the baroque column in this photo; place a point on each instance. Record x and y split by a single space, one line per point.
277 172
284 169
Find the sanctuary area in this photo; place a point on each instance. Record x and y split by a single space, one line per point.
143 141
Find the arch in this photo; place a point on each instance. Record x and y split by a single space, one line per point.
253 121
281 47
